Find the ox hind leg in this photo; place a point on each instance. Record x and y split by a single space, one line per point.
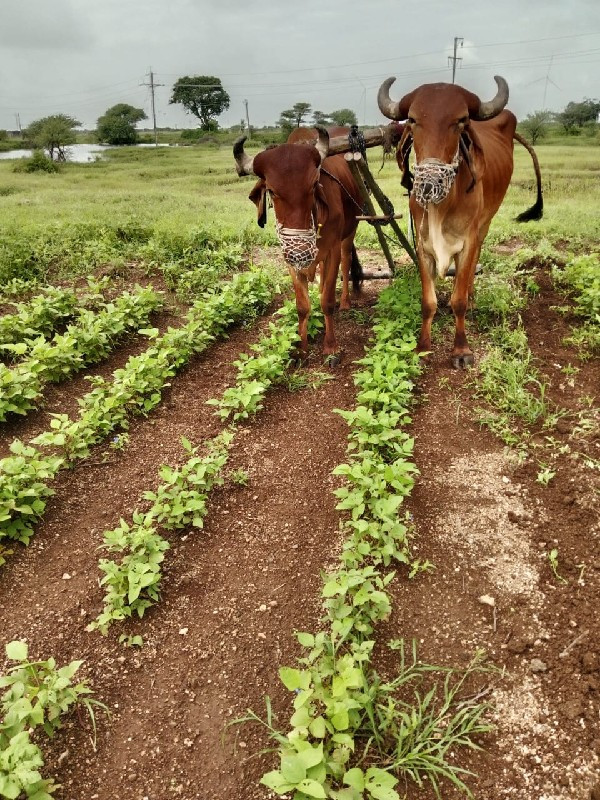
329 274
466 262
428 299
300 282
347 246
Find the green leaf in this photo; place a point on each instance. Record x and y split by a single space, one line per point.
294 679
380 784
317 728
292 769
311 788
274 780
17 650
355 778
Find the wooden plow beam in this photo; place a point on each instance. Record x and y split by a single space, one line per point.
387 136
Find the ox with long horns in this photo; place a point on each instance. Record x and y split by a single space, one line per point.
464 161
316 201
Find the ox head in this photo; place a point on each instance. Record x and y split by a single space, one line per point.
438 116
289 175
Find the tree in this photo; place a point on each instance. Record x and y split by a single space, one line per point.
344 117
576 115
53 134
203 96
117 124
292 117
535 125
319 118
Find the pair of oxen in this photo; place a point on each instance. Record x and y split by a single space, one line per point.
463 150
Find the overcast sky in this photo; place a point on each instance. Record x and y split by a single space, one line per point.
80 57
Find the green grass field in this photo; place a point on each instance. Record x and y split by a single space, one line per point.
110 210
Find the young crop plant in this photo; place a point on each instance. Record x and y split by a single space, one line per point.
581 277
37 694
135 388
353 736
39 317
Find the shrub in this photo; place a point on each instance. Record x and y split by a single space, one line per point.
39 162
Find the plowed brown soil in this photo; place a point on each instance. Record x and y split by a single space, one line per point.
234 593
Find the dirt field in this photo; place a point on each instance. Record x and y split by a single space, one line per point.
234 593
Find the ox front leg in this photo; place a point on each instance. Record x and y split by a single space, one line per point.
462 355
300 282
330 268
428 300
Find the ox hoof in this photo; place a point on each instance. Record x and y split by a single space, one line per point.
332 360
462 361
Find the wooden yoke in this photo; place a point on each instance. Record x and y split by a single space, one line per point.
387 136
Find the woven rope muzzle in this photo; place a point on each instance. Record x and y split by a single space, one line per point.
433 179
299 246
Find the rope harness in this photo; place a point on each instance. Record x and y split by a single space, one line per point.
433 179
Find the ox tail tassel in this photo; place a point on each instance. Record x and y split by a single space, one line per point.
537 209
356 271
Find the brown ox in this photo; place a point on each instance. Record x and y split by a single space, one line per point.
315 200
464 161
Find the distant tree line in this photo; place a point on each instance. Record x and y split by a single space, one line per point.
204 97
573 119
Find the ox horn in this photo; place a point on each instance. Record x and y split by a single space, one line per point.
243 163
322 143
387 106
495 106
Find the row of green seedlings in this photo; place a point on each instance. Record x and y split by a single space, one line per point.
85 342
508 379
45 313
18 288
581 278
353 733
193 272
133 581
36 696
26 475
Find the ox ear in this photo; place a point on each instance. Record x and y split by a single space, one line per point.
321 204
472 141
402 157
258 195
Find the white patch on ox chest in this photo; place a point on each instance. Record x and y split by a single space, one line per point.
441 245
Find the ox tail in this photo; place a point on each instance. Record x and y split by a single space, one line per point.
537 209
356 271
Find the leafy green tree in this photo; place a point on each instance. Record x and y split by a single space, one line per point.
203 96
117 124
54 134
535 125
292 117
344 117
319 118
576 115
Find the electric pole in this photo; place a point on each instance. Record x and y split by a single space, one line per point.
248 120
152 86
457 40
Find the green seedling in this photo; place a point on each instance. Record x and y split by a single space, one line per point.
545 474
553 559
239 476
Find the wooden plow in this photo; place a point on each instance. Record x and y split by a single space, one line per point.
353 147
